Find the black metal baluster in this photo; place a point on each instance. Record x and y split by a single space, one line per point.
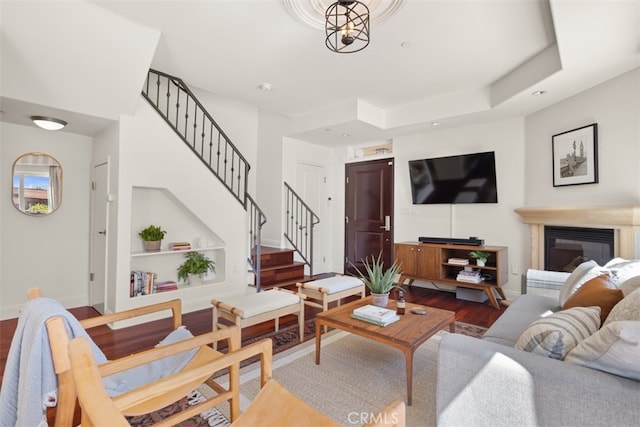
177 110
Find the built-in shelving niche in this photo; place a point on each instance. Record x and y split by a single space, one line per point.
159 206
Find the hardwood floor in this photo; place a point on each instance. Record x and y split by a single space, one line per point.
120 342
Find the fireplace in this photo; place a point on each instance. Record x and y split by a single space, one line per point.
567 247
623 221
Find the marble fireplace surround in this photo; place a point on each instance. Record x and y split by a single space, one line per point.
624 220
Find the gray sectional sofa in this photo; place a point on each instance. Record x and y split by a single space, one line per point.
488 382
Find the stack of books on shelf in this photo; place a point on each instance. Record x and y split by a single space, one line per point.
180 246
142 283
458 261
469 275
168 285
377 315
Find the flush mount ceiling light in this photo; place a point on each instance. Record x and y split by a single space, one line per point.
48 123
347 26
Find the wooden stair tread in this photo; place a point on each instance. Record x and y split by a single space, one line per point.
270 249
295 264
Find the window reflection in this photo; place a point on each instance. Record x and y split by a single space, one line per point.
37 184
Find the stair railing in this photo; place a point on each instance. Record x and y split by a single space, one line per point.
182 111
300 220
257 219
179 107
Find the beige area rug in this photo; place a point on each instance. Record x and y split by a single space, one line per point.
356 378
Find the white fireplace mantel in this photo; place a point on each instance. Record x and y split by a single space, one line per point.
624 220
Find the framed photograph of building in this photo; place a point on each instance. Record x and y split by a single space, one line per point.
575 156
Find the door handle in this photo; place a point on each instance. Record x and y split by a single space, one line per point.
387 223
103 232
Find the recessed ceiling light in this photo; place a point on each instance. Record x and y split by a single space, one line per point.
435 123
346 135
405 44
48 123
538 92
265 87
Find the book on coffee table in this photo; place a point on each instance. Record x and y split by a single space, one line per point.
385 322
373 312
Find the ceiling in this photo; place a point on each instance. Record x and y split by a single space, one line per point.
455 62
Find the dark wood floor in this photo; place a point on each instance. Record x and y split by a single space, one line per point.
120 342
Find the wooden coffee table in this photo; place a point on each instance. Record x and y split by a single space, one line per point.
407 334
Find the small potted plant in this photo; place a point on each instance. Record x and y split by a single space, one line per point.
378 280
480 257
152 237
195 267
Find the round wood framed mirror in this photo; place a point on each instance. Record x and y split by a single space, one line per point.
36 184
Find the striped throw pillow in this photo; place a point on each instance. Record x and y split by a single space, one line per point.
557 334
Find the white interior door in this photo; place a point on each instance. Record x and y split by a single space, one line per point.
98 258
311 185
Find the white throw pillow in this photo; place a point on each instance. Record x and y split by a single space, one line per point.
623 269
627 309
578 277
615 349
556 335
629 285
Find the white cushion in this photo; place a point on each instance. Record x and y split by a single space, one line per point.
261 302
623 269
581 275
615 349
334 284
629 285
627 309
556 335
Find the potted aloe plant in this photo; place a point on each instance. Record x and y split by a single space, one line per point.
378 280
195 266
152 237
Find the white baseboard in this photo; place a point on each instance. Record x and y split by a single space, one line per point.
13 311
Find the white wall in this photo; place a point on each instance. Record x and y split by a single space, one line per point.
615 106
50 252
269 172
497 224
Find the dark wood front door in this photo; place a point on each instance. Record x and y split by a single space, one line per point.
368 212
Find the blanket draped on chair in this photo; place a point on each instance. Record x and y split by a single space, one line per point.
29 384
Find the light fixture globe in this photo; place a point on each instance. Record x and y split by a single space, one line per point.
347 26
48 123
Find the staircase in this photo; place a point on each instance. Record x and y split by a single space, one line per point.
278 268
178 106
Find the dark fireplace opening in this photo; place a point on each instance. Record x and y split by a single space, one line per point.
567 247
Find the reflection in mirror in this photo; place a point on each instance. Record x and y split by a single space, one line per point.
37 184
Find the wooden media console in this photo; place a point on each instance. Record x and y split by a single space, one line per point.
430 262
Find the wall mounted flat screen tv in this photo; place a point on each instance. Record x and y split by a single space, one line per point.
467 178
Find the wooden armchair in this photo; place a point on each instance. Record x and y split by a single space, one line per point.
199 369
274 405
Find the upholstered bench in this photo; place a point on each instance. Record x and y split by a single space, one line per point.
252 309
321 292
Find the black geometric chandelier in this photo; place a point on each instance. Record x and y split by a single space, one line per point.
347 26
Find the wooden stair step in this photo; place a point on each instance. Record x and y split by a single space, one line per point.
272 275
289 284
272 257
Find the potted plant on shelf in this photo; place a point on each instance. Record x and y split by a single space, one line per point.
152 236
195 267
379 281
480 257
